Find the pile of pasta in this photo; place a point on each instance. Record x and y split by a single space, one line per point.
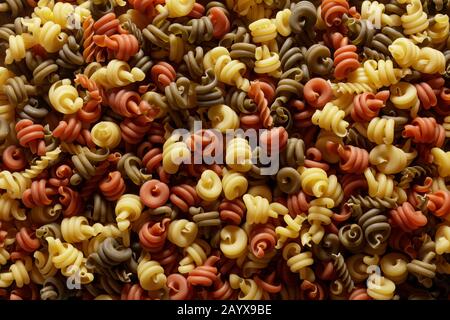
98 200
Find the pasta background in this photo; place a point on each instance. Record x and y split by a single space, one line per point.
320 170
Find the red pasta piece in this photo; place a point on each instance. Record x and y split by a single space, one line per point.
366 106
70 200
221 24
298 203
425 130
352 159
163 74
152 236
204 275
311 291
232 211
126 103
27 240
256 93
274 140
91 110
333 10
439 203
31 136
167 258
222 290
113 186
134 129
184 196
14 159
154 193
38 194
197 11
345 56
317 92
407 218
428 91
359 294
313 158
132 292
107 25
179 288
262 239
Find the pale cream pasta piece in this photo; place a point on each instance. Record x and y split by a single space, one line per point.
263 30
430 61
380 288
297 261
238 155
223 118
404 52
64 97
117 74
18 272
394 267
331 118
290 231
249 289
233 241
381 130
281 22
77 229
195 255
442 160
380 185
150 274
209 187
106 134
175 153
259 210
382 73
234 184
182 232
390 159
439 30
442 239
179 8
128 209
314 181
373 11
267 62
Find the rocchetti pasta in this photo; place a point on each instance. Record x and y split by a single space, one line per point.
239 149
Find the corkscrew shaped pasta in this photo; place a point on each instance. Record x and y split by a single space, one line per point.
366 106
18 273
298 261
249 289
439 203
64 97
259 210
290 231
195 255
256 93
374 12
77 229
174 154
407 218
123 46
383 73
150 274
319 214
18 46
441 159
234 184
182 232
415 22
314 181
116 74
226 69
128 209
332 119
380 288
209 187
442 239
68 259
